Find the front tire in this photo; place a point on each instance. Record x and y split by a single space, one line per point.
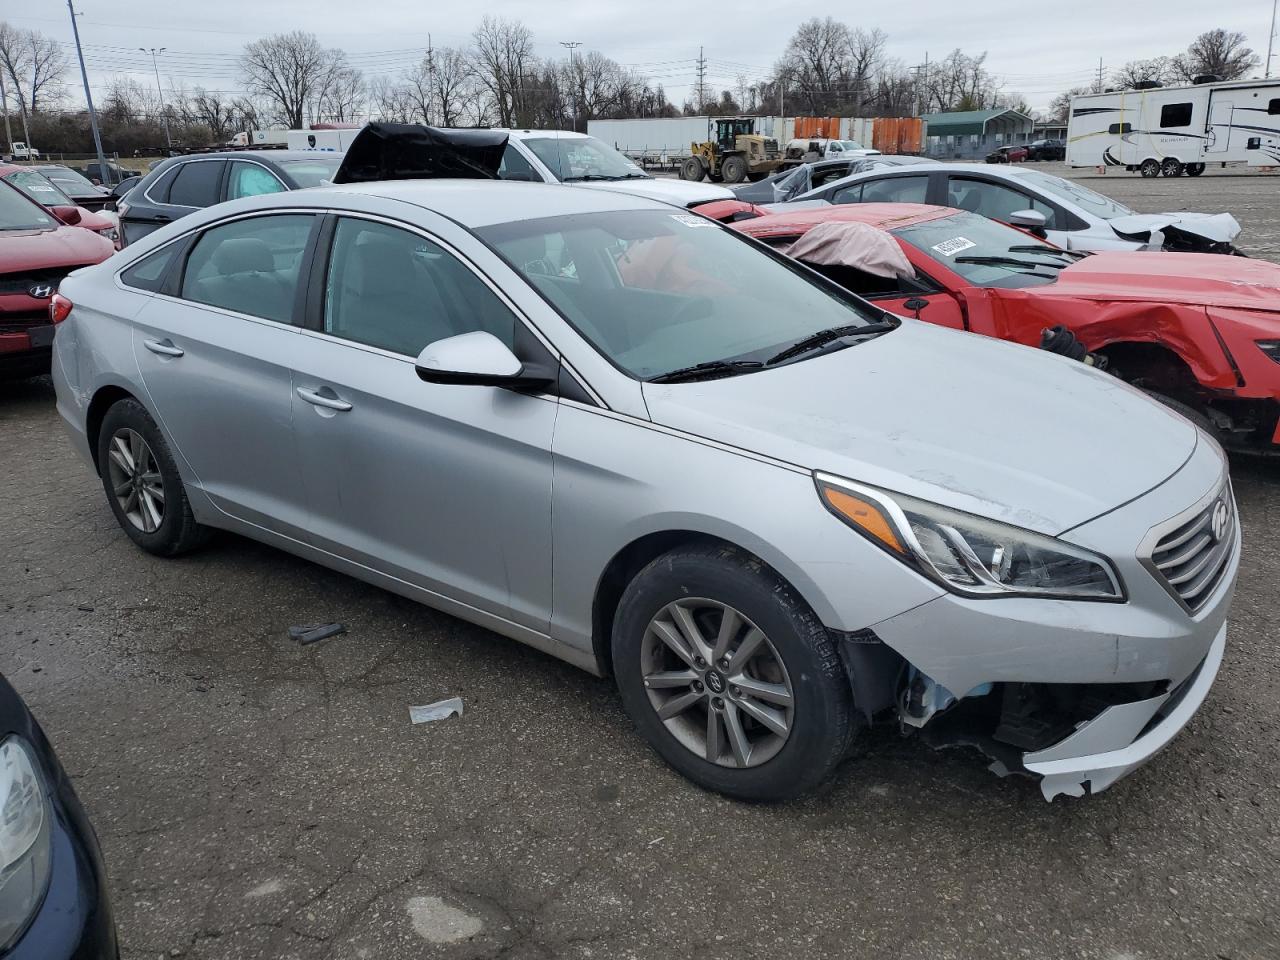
730 676
142 484
692 169
1150 168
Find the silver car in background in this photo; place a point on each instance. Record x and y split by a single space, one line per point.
625 435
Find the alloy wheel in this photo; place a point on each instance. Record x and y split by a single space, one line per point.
717 683
135 480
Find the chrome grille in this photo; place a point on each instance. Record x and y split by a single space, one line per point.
1191 559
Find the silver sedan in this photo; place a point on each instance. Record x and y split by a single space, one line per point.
618 432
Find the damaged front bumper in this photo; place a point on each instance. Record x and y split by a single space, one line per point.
1123 737
1080 694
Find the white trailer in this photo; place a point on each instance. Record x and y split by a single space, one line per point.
657 142
321 141
1176 130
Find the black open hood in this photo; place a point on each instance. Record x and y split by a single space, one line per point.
413 151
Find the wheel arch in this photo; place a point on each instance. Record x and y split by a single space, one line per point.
104 398
636 555
1153 364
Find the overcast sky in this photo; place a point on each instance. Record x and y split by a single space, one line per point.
1037 48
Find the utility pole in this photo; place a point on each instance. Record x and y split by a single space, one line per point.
431 81
164 111
572 45
702 78
4 102
1098 86
1271 37
88 97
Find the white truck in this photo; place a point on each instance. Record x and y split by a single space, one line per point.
1174 130
20 151
259 138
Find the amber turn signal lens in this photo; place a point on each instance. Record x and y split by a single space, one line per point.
864 515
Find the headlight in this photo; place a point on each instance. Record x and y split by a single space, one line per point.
1271 348
25 847
967 554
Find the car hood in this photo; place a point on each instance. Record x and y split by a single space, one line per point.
1201 279
992 428
22 250
1215 227
681 192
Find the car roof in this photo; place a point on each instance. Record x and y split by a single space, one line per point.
884 216
480 203
542 134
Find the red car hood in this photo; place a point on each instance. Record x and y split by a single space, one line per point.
1203 279
22 250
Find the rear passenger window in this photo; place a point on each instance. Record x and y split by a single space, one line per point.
851 194
147 273
895 190
1175 115
159 191
196 184
251 180
398 291
249 266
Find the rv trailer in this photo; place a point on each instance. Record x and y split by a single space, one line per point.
1174 130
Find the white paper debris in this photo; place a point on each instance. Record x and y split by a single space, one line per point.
436 711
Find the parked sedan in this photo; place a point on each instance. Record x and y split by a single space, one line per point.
789 184
1075 217
1145 313
82 191
1008 154
37 250
181 185
771 511
53 896
36 186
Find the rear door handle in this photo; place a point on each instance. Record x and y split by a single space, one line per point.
163 347
317 399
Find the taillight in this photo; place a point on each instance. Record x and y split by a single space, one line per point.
59 308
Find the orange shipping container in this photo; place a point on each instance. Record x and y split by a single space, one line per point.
827 127
898 135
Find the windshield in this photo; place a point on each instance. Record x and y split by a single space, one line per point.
312 172
39 188
19 213
657 291
1095 203
583 158
961 242
851 144
70 182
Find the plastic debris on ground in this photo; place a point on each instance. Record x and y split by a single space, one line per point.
316 632
436 711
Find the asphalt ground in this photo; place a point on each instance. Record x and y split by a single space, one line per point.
260 799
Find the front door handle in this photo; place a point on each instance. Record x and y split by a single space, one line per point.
317 399
163 347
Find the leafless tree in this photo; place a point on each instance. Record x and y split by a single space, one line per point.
1222 53
34 66
288 69
504 63
1153 70
1060 106
340 92
960 81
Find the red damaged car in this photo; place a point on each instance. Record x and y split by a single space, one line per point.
36 252
1199 331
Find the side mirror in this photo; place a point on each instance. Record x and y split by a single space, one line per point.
478 359
68 215
1030 220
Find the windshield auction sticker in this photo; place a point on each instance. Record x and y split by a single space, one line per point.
949 248
692 220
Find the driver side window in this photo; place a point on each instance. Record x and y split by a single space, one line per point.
994 201
515 167
396 290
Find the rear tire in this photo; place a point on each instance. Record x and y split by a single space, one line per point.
690 708
1149 168
734 169
1171 167
1195 169
142 484
692 169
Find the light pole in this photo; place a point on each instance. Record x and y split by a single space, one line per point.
88 97
1271 37
572 45
164 111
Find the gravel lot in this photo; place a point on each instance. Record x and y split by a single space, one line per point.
257 799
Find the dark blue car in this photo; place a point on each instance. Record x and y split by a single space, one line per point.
53 897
